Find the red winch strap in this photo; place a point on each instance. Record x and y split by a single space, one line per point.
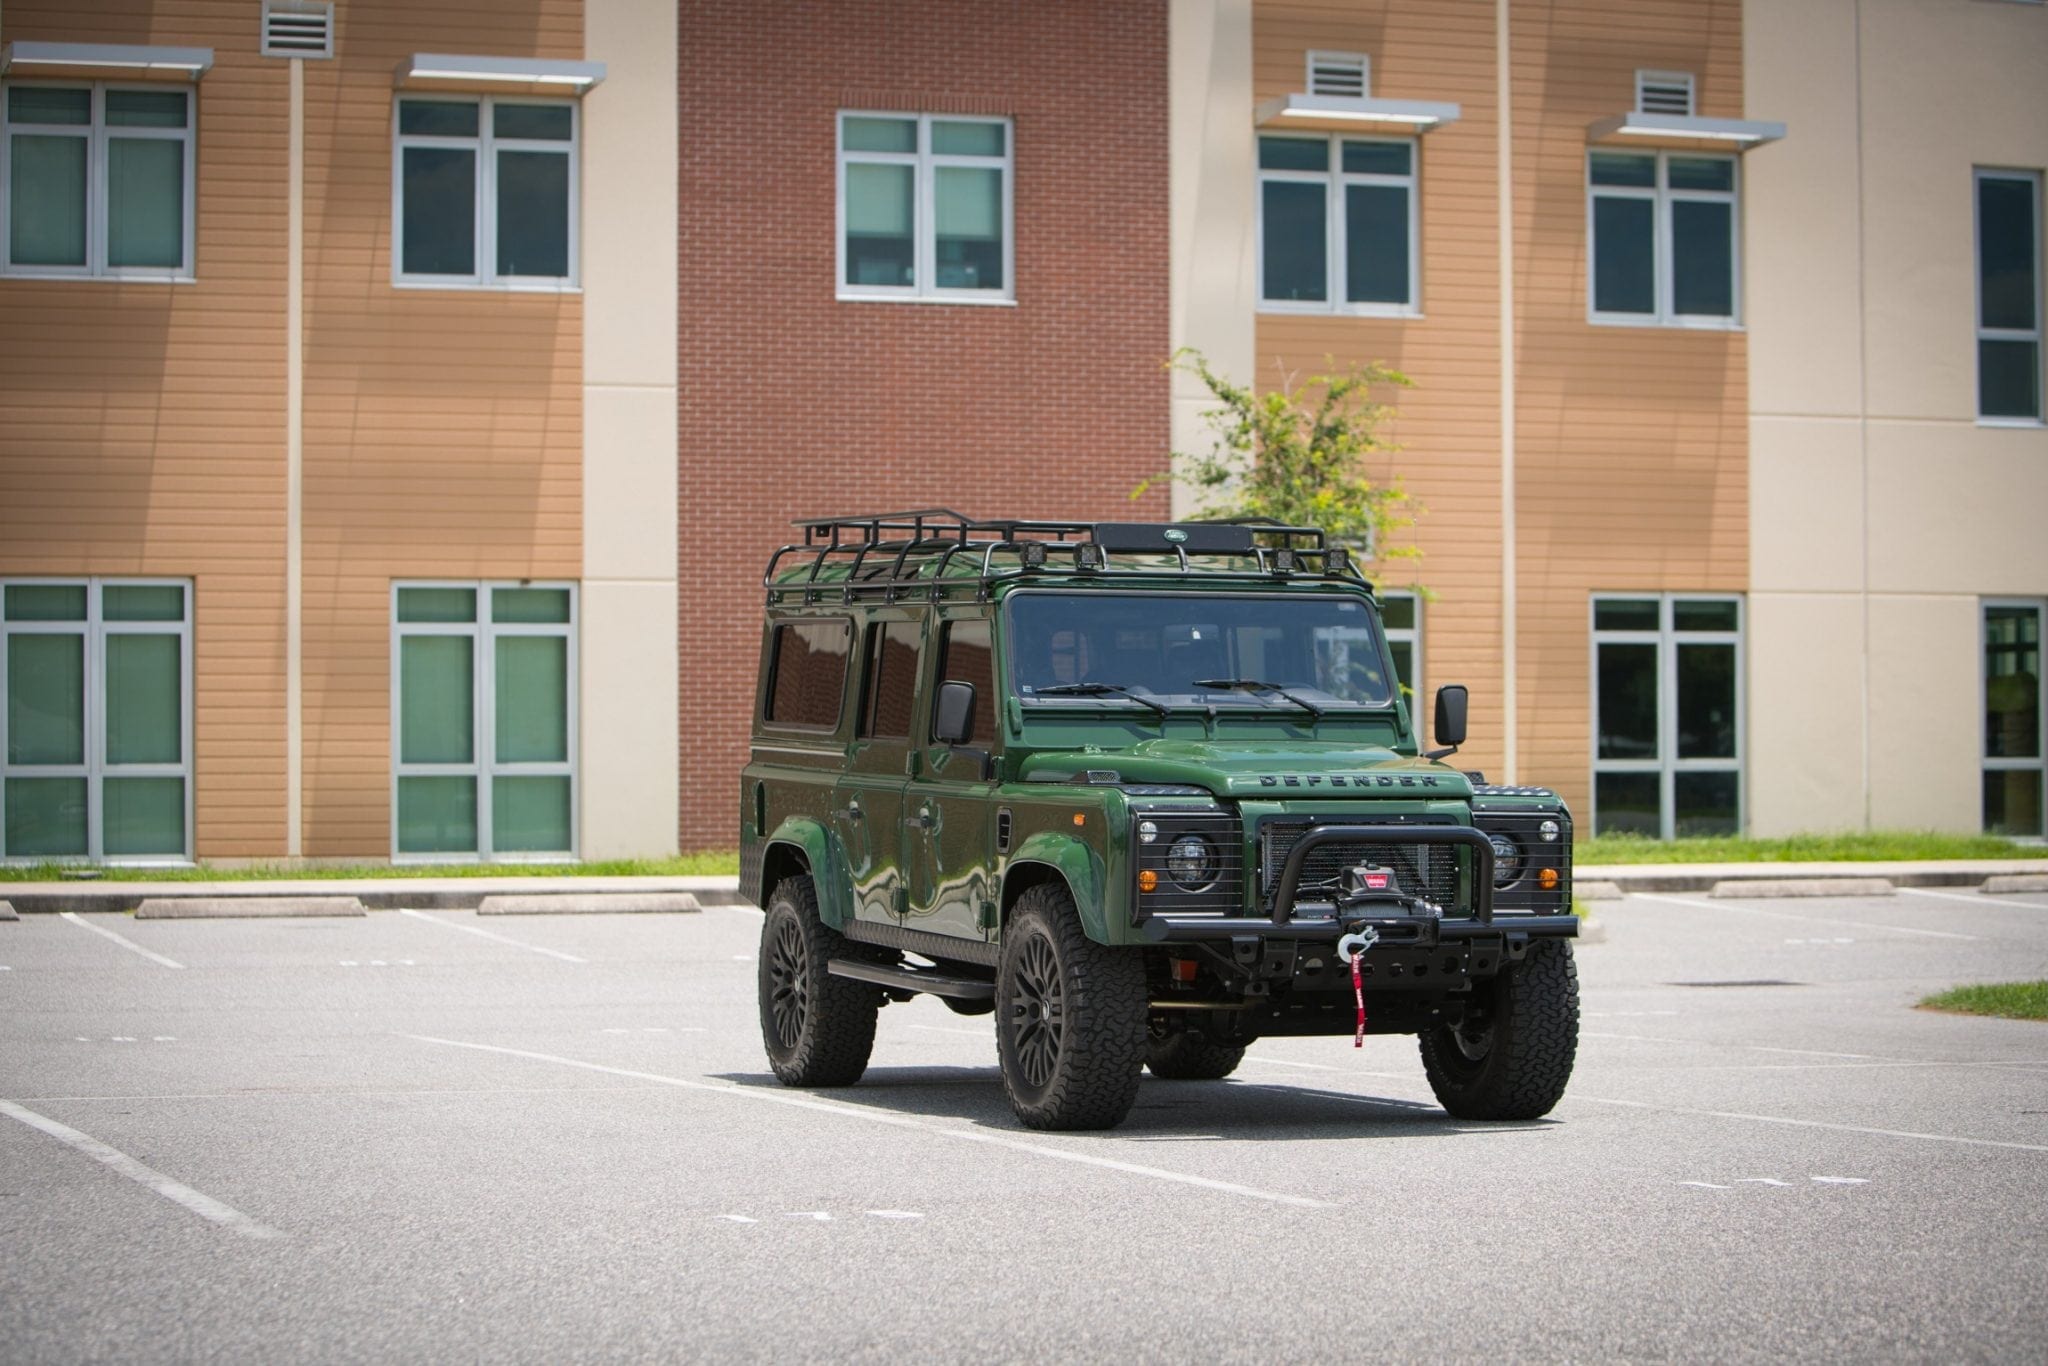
1358 994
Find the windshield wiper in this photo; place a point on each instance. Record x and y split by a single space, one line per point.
1099 690
1254 685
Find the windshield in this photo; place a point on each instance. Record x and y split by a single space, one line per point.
1191 649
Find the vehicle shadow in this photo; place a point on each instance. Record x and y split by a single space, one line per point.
1233 1109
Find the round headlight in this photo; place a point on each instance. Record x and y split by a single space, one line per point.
1549 830
1507 859
1192 863
1147 831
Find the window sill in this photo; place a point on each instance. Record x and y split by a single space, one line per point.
2022 424
970 300
120 279
1281 309
1670 324
480 287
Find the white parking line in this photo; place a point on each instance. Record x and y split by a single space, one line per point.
127 944
1714 1043
1974 898
1815 1124
486 934
897 1121
205 1206
1870 926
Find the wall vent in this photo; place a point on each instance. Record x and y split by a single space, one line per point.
297 28
1664 92
1346 74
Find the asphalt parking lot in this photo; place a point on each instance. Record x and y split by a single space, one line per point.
425 1136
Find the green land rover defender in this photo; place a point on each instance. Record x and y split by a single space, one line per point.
1147 793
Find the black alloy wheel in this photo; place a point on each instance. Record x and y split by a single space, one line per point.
1070 1017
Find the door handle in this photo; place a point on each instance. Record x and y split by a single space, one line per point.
920 822
854 813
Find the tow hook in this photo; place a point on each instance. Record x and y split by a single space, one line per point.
1356 942
1351 948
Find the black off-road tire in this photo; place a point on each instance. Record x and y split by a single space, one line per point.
818 1029
1183 1056
1514 1064
1070 1018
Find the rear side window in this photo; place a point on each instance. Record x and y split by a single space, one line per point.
808 674
965 657
892 680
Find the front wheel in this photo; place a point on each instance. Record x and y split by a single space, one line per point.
819 1029
1511 1058
1070 1018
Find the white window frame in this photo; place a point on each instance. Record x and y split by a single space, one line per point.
1667 765
483 766
95 769
1978 176
96 136
924 224
484 223
1411 636
1336 246
1663 257
2002 764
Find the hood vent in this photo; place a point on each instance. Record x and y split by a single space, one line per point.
1344 74
297 28
1664 92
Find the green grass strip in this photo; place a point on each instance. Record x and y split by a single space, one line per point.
1867 847
2006 1000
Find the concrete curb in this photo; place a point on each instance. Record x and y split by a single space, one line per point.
245 907
2015 882
1768 888
1591 932
1597 891
593 903
376 894
7 911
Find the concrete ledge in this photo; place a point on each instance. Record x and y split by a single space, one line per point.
2015 882
1591 932
590 903
245 907
7 912
1597 891
1759 888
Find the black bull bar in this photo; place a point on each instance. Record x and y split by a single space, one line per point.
1395 928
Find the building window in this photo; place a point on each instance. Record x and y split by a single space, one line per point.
99 181
96 719
483 720
484 192
924 208
2009 296
1337 225
2013 764
1664 238
1401 617
1667 715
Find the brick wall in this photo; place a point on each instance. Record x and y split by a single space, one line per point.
794 404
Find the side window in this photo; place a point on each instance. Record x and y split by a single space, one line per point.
966 657
808 674
891 682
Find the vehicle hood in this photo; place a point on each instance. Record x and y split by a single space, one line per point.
1294 769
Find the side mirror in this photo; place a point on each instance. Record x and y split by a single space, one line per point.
953 720
1450 718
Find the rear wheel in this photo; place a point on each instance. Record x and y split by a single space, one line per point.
819 1029
1070 1018
1186 1052
1511 1060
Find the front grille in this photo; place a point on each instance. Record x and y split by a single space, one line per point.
1430 871
1222 897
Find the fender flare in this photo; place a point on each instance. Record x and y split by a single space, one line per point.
1074 862
812 842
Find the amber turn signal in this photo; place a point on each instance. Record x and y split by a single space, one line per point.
1080 819
1548 879
1148 881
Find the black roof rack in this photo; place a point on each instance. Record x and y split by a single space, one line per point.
934 553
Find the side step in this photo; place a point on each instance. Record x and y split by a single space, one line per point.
910 979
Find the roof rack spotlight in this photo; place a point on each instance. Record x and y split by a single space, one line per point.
1284 561
1031 554
1337 561
1087 556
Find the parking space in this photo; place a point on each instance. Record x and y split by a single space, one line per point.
555 1136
